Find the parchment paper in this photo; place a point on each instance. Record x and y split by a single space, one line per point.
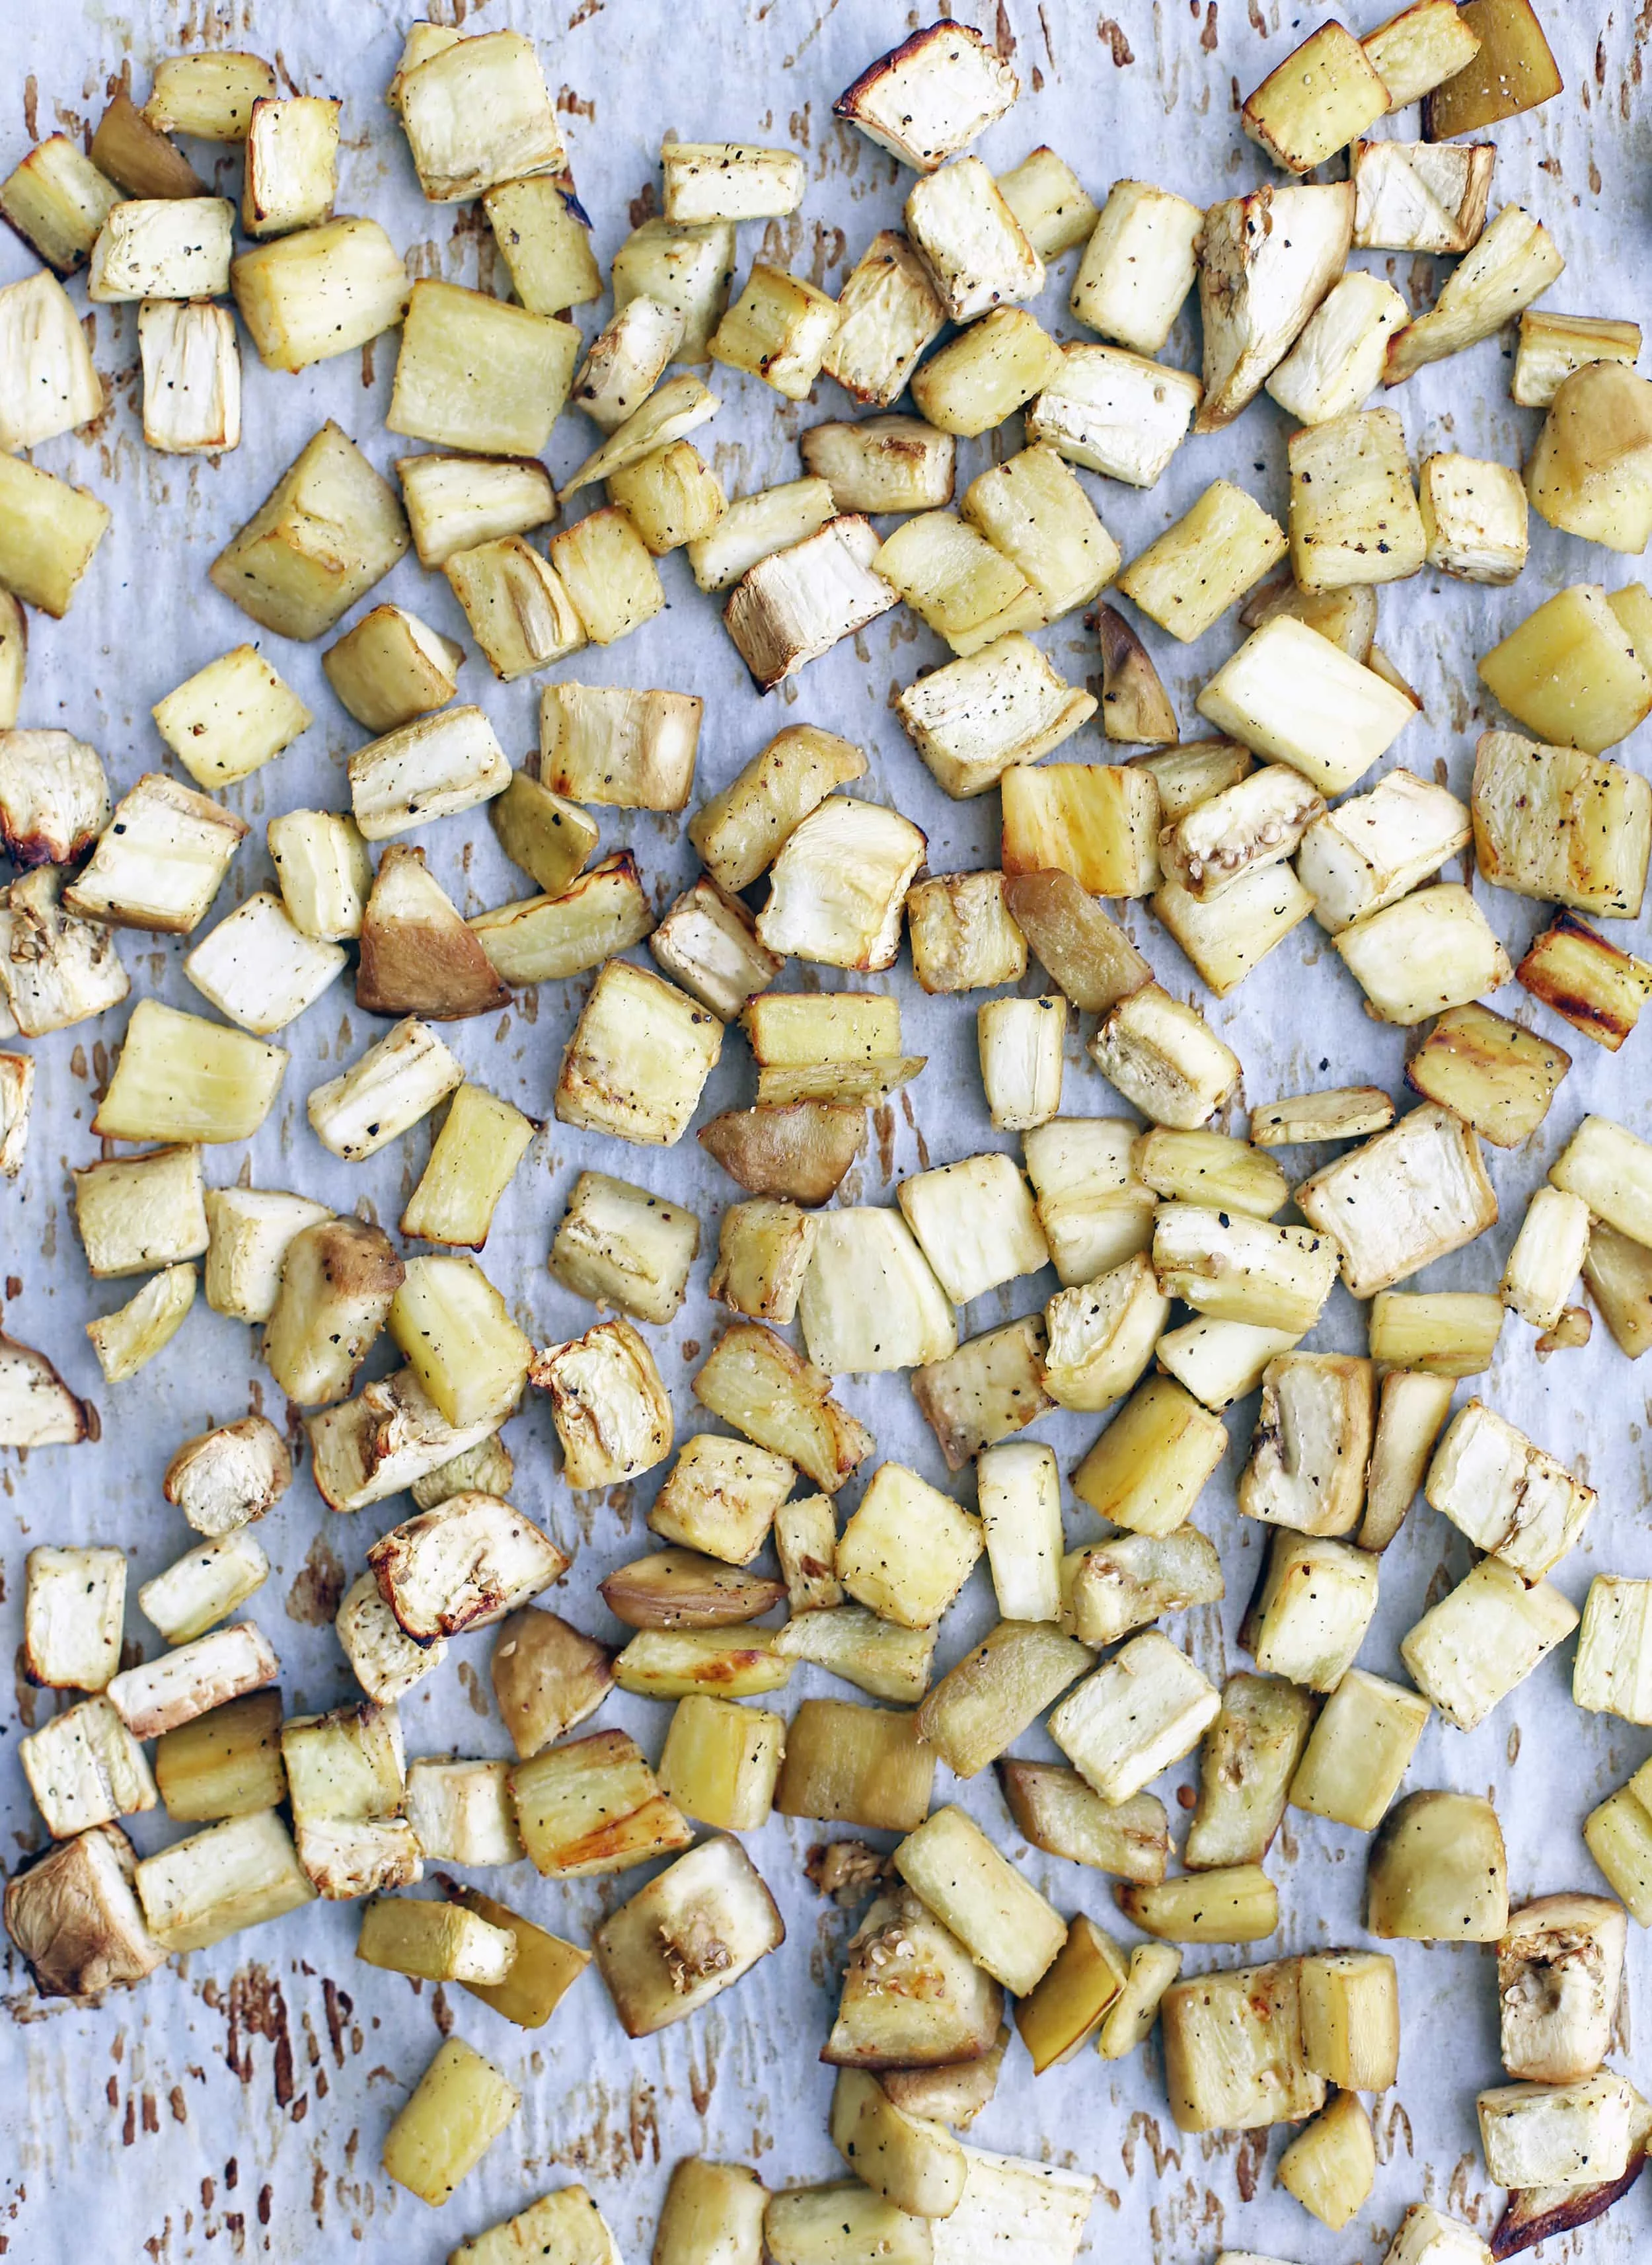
236 2105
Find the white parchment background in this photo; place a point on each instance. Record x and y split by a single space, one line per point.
236 2106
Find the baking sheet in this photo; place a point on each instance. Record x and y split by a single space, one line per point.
235 2106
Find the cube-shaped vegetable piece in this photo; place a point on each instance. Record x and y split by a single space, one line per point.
963 935
133 1214
434 1942
1561 2136
1093 963
685 267
203 1586
1418 196
48 532
474 373
991 1387
74 1603
1232 2050
986 372
1354 515
325 291
1312 1612
975 249
739 831
1338 363
1255 823
1571 673
161 860
612 1412
1358 1751
721 1497
1266 261
620 1245
1476 1644
1497 1077
1445 1333
1553 346
869 1766
545 247
688 1934
180 1077
519 610
1473 518
1612 1673
547 1678
1376 847
1421 48
909 1548
638 1059
928 98
1032 510
85 1768
210 95
795 604
998 1690
882 463
1514 263
1326 92
1559 1969
1002 1921
1135 1716
458 2107
1613 1172
754 1380
1552 822
1290 693
1239 1268
226 1478
888 313
458 1338
566 2224
955 579
1512 72
974 719
326 532
1408 1195
727 180
911 2161
1020 1043
1189 577
291 163
1101 1336
1097 821
476 112
1331 2166
58 200
594 1806
1591 473
1308 1464
50 384
128 1339
720 1761
1116 1586
1019 1496
54 796
230 717
975 1224
839 884
1164 1057
235 1874
75 1918
778 329
1115 412
672 498
259 969
1438 1872
1137 266
606 572
806 1544
162 248
1590 983
1146 1470
948 2014
1547 1256
613 745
